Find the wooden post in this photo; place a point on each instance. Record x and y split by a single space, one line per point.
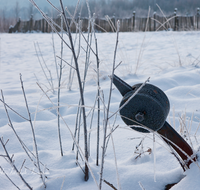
43 25
149 23
154 23
198 18
129 24
30 23
133 20
97 24
46 28
175 19
113 19
39 28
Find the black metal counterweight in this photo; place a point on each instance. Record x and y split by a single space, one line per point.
147 111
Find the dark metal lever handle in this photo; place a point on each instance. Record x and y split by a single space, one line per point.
167 132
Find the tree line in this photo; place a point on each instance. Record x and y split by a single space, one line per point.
124 8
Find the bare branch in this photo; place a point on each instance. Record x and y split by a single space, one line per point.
54 6
118 65
66 62
108 108
9 178
80 88
13 165
13 110
111 185
86 161
12 127
22 165
33 132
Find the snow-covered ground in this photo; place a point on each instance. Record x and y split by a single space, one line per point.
170 59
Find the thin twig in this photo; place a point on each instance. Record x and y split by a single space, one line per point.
140 184
111 185
74 140
12 127
42 66
9 178
117 172
59 88
54 52
54 6
13 165
98 90
80 89
107 112
33 132
13 110
22 165
66 62
50 22
118 65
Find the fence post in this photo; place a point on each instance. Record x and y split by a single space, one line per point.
47 25
175 19
154 23
198 18
39 27
30 23
113 19
133 20
43 25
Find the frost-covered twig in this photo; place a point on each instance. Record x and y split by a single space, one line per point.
174 146
112 129
80 88
12 108
108 109
109 184
140 184
50 84
11 162
117 172
66 62
111 23
59 88
54 51
74 140
175 44
12 127
98 86
184 126
78 118
33 132
62 183
154 156
9 178
53 6
50 22
141 48
73 16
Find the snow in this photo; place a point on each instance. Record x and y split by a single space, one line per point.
170 59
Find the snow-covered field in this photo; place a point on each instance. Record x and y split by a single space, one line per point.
170 59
